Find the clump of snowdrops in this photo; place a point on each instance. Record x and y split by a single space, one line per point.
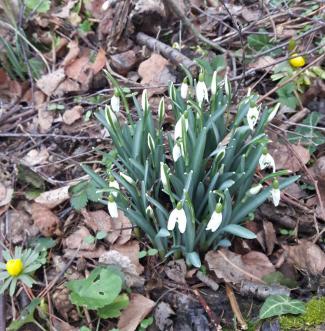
188 188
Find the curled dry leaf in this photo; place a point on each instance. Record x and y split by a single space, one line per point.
286 156
234 268
154 71
73 52
45 220
306 257
49 82
53 198
129 269
131 250
176 271
5 194
72 115
76 240
138 308
35 157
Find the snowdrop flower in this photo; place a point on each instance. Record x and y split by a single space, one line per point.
144 100
201 90
110 116
127 178
273 112
252 117
161 111
216 218
184 89
105 5
164 174
255 189
112 206
276 193
179 124
177 152
177 216
115 102
113 184
214 83
227 86
266 160
151 143
149 212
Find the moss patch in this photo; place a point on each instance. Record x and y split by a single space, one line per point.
314 315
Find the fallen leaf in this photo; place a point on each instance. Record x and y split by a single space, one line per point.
76 240
53 198
67 86
35 157
49 82
162 313
131 275
234 268
263 62
176 271
45 220
123 223
65 10
131 250
138 308
307 257
99 220
154 71
100 61
270 236
73 52
72 115
286 157
251 15
5 194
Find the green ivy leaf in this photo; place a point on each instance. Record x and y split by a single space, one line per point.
100 289
258 41
79 201
277 305
40 6
114 309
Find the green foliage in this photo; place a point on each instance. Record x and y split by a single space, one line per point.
149 252
258 42
313 315
218 63
100 291
277 305
278 277
145 324
99 236
215 164
82 193
26 316
39 6
308 134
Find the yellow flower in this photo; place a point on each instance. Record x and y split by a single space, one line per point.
297 61
14 267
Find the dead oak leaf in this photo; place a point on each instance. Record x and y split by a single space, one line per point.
154 71
49 82
53 198
138 308
307 257
234 268
45 220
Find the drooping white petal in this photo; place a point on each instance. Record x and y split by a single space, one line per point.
252 117
273 112
267 161
214 83
177 216
114 184
255 189
127 178
215 221
115 103
184 90
110 116
276 196
177 152
178 127
144 100
112 209
201 92
105 5
163 174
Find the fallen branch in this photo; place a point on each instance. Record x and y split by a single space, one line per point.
168 52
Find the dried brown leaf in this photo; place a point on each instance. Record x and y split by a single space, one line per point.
45 220
123 223
49 82
234 268
306 257
72 115
35 157
138 308
53 198
76 240
5 194
176 271
263 62
154 71
74 51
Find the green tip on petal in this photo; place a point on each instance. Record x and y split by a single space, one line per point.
179 205
219 207
111 198
201 77
275 184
